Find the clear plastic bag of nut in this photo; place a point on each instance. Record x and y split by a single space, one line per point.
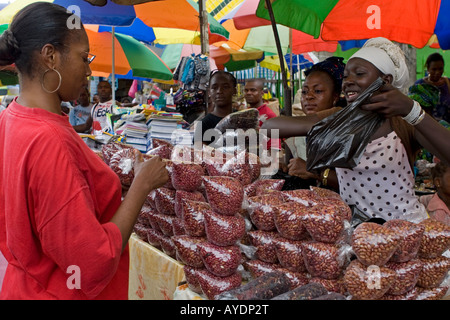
411 234
367 282
374 244
326 260
435 240
325 223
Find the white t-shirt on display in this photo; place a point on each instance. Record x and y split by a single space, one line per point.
99 119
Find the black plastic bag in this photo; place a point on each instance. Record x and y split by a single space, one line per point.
339 140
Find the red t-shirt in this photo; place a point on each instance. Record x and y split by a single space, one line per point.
266 113
56 201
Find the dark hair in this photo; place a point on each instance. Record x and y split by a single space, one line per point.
225 73
433 58
104 81
260 80
438 170
34 26
334 68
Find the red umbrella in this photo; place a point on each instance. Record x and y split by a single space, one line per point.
242 34
412 22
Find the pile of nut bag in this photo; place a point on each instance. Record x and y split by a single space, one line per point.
240 236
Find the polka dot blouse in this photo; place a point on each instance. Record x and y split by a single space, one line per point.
382 184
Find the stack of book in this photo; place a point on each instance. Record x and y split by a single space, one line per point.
162 125
137 135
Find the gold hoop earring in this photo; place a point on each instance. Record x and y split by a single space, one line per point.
59 84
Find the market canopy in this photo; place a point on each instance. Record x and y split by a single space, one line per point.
412 22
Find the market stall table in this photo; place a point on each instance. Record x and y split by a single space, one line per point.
153 274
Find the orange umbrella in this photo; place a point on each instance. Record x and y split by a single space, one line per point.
130 55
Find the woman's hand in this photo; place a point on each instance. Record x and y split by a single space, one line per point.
151 174
389 102
297 167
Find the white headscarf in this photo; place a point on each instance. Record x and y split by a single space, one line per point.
387 57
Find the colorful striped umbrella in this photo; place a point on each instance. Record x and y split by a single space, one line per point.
130 55
175 14
412 22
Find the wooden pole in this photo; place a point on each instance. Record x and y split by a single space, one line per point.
287 101
203 27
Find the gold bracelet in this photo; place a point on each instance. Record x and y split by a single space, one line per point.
325 176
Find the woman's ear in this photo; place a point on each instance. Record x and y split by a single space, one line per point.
437 182
48 54
387 78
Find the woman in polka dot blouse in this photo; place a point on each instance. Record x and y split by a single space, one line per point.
382 184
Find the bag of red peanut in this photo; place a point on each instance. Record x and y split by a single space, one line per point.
182 195
257 267
223 230
169 167
178 227
220 261
187 176
433 272
411 233
332 285
192 279
187 250
303 196
150 200
193 217
325 193
165 223
325 223
168 247
261 211
325 260
165 201
238 168
224 194
431 293
164 152
435 239
407 275
122 163
259 187
154 238
263 241
288 220
367 282
289 254
374 244
213 285
109 149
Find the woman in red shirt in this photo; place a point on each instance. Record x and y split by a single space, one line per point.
64 227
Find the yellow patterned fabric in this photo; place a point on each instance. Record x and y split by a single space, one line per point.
153 274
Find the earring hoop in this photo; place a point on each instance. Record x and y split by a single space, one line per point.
59 84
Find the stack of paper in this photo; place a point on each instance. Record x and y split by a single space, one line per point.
163 124
137 135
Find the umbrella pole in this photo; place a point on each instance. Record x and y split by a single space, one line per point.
286 91
113 78
203 27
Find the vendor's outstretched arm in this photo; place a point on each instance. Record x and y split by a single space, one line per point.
435 138
290 126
